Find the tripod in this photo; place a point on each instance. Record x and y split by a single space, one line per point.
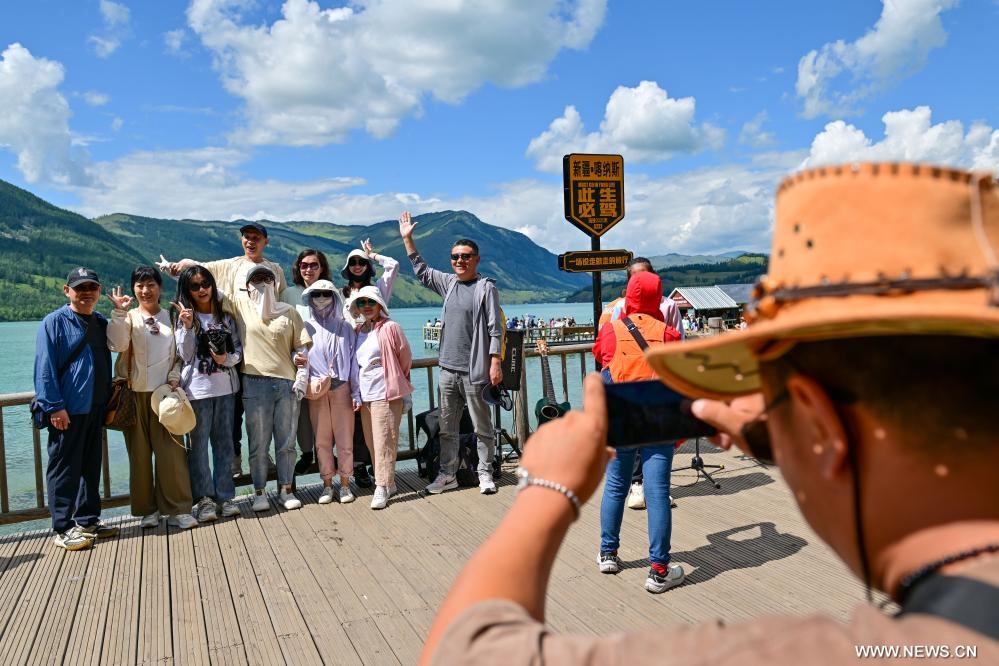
499 434
698 465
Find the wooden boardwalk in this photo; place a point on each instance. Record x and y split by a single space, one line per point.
342 584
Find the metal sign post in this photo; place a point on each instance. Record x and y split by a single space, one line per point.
593 189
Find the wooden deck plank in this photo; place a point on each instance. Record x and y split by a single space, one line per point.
222 627
259 639
121 630
18 558
31 605
187 618
155 630
294 638
87 636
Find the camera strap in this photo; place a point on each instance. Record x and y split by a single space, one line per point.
968 602
635 333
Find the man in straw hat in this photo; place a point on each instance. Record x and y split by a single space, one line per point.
873 356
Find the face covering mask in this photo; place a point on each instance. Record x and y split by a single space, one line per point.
262 296
322 302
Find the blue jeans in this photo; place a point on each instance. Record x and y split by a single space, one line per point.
271 411
214 423
657 463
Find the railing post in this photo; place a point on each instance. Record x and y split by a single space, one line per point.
565 379
4 499
521 415
105 463
39 482
430 385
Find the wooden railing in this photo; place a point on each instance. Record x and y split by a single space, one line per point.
551 334
522 414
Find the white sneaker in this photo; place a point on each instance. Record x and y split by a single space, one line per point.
672 502
237 465
441 483
205 510
327 495
184 521
657 584
260 502
381 497
290 501
73 539
229 508
608 562
346 497
486 485
636 498
152 520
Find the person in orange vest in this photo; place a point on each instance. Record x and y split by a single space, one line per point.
620 347
613 310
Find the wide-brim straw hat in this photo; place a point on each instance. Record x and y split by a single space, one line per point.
173 409
858 250
367 292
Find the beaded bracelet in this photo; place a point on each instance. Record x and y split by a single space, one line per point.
524 479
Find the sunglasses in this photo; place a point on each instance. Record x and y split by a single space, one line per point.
308 266
357 261
262 279
322 294
152 325
366 303
198 286
462 257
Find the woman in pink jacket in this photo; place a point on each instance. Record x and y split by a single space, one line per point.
384 360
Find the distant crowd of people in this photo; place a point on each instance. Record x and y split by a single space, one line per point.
235 343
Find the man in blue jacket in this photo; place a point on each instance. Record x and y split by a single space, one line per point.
468 354
72 384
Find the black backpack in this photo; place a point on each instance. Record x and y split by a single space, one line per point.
428 461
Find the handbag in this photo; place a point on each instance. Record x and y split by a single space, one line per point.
119 414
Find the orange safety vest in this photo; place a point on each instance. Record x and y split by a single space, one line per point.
628 363
608 310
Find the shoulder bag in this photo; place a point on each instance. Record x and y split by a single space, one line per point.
120 411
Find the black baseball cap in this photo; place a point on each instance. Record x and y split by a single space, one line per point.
79 275
255 226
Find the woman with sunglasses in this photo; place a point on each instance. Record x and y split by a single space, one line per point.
358 272
384 360
147 356
210 347
310 265
333 396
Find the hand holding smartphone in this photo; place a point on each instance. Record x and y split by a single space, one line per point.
649 412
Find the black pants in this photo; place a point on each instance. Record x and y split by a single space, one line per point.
362 456
74 471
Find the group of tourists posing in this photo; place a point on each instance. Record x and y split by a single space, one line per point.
240 344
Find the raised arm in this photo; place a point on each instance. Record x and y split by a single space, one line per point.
431 278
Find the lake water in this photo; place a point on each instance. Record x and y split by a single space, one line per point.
17 363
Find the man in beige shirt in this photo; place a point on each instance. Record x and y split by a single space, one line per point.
875 392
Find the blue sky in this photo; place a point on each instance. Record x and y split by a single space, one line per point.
351 113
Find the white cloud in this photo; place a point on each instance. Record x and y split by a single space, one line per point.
315 75
117 124
909 136
897 46
174 41
35 122
116 27
644 124
95 98
753 134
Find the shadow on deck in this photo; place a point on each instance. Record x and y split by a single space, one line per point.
345 584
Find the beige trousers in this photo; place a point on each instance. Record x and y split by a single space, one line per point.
380 420
157 463
332 418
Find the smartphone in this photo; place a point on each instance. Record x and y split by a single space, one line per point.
649 412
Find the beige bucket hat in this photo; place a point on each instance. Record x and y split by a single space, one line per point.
173 409
858 250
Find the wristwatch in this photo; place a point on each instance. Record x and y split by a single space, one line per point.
524 479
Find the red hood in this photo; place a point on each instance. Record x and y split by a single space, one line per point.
644 294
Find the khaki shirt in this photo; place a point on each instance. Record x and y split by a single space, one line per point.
501 632
230 275
268 346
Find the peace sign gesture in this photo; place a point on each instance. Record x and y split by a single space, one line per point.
186 315
121 301
368 248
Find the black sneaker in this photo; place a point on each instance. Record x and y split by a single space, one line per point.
362 478
657 583
98 530
304 463
609 562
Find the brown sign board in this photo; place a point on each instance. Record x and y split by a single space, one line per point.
596 260
593 186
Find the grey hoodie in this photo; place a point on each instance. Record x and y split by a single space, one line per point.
487 334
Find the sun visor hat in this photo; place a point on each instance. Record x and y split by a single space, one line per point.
497 397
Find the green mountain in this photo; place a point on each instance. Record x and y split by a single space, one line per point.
721 269
674 259
41 243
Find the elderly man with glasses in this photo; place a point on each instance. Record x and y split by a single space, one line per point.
869 375
469 353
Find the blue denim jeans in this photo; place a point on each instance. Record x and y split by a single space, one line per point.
271 412
657 463
214 424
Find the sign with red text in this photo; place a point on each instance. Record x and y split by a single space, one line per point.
593 186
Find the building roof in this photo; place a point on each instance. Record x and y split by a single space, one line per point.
740 293
704 298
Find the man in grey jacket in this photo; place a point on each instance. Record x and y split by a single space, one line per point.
469 352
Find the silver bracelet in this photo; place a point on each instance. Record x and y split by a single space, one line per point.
524 479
